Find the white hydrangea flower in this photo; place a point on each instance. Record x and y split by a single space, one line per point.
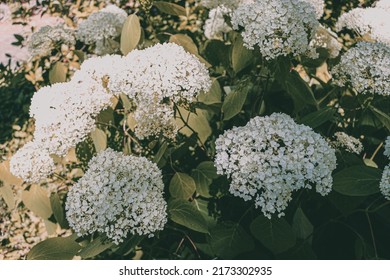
318 5
325 38
369 21
32 163
101 28
271 157
384 184
383 4
5 13
347 142
227 4
47 38
117 195
161 74
215 25
64 113
387 147
365 67
277 27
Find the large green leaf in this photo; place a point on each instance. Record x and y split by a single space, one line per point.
58 210
301 224
233 102
299 91
216 52
99 139
184 213
318 118
57 248
213 96
241 56
131 34
37 200
95 247
230 240
275 234
382 116
170 8
358 180
203 175
57 73
8 196
182 186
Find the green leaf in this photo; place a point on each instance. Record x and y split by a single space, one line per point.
318 118
159 156
6 176
57 248
80 55
197 121
170 8
301 224
99 139
85 151
126 102
299 91
184 213
8 196
57 73
216 52
202 183
275 234
208 169
358 180
188 44
95 247
241 56
382 116
58 210
370 163
106 116
129 245
213 96
182 186
131 34
230 240
37 200
233 103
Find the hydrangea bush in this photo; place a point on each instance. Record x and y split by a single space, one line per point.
168 129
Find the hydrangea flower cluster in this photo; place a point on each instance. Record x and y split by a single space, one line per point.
365 67
277 27
387 147
48 38
5 13
101 28
227 4
325 38
117 195
384 184
383 4
318 5
347 142
215 25
32 163
369 21
270 157
157 77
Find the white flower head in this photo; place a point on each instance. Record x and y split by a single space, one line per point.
347 142
117 195
384 184
318 5
277 27
387 147
226 4
270 157
32 163
159 76
101 28
5 13
383 4
47 38
366 68
215 26
369 21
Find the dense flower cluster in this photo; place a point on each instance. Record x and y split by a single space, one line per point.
64 113
101 28
347 142
369 21
387 147
271 157
383 4
117 195
48 38
325 38
227 4
156 77
32 163
5 13
384 184
277 27
365 67
215 25
318 5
